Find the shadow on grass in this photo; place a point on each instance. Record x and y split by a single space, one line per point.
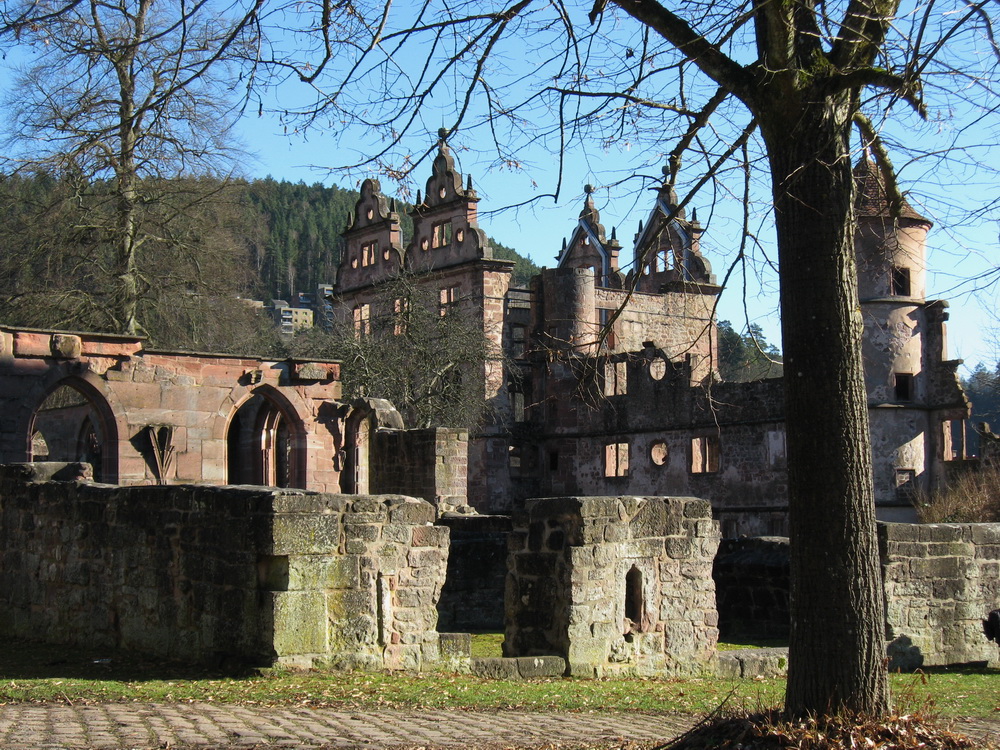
31 660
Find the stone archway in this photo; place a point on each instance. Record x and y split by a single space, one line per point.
266 442
367 416
73 422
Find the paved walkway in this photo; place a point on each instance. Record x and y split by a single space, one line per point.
207 725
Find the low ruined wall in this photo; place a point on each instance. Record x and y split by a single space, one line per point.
940 580
431 464
751 586
473 593
615 585
198 572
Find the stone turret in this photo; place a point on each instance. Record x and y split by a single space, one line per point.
913 389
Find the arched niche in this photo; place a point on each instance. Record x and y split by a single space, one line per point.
635 605
266 442
74 422
367 416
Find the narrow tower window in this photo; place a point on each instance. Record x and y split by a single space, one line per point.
903 387
634 604
900 281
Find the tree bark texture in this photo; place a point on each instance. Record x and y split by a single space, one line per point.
837 645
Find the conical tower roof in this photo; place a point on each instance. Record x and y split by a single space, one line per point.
872 200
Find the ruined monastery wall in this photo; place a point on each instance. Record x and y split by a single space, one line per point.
198 573
615 585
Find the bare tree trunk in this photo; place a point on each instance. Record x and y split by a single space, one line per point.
837 646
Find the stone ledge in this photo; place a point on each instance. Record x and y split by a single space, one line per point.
752 662
519 668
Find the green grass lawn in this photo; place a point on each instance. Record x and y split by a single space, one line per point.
30 672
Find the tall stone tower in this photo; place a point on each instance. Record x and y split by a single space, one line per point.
913 388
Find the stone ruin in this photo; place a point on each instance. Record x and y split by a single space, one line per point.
619 585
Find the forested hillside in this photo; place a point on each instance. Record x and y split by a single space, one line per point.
203 244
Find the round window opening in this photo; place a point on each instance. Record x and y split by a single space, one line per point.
460 235
659 452
442 192
371 213
657 368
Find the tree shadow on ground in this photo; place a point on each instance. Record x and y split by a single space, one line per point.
22 659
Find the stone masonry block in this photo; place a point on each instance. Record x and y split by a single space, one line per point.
412 511
430 536
305 534
300 622
312 572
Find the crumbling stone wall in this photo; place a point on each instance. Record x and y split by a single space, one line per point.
431 464
940 580
195 572
613 584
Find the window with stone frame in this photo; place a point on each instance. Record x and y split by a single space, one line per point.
604 317
902 386
369 251
615 378
616 460
517 340
449 299
401 315
362 320
441 234
704 454
899 281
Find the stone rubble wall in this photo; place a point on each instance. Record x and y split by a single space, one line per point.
199 573
941 580
570 563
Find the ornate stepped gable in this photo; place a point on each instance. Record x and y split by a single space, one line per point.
588 247
373 241
667 251
445 225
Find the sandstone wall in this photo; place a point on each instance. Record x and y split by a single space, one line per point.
197 572
941 580
613 584
431 464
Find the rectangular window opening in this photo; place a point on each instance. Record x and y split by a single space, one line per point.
900 281
615 378
903 387
704 454
449 299
616 460
441 234
362 320
607 328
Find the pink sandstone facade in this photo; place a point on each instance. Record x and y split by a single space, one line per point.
145 417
